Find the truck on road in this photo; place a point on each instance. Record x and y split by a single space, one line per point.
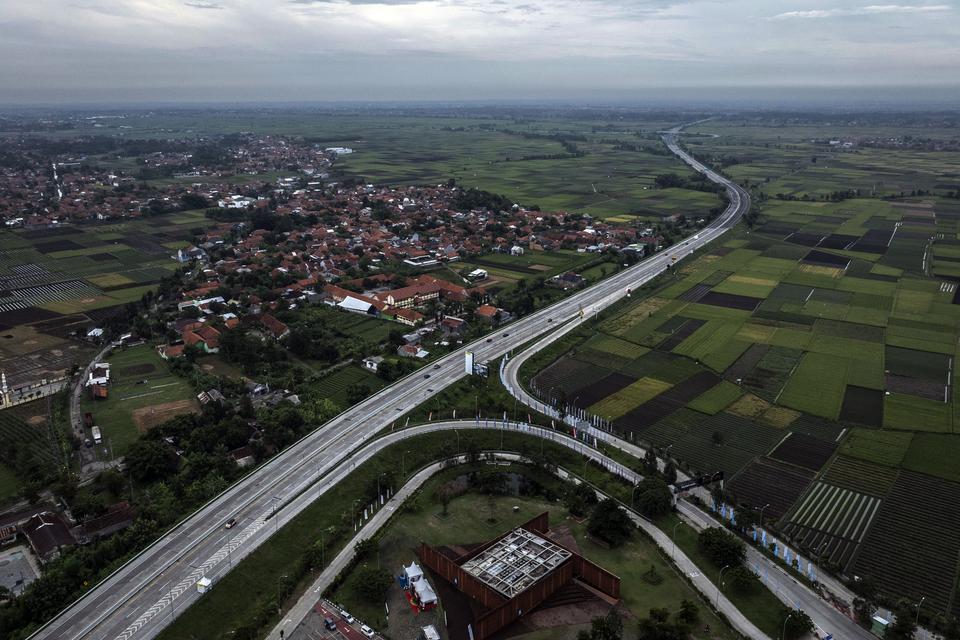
97 437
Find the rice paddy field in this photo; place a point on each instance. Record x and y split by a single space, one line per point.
56 283
812 359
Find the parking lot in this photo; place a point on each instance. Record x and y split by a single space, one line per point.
312 627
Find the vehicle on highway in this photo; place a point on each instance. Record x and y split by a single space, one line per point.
436 366
426 375
506 335
489 339
95 432
330 624
231 523
549 319
346 616
367 631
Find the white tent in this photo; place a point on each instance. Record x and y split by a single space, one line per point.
357 306
425 593
413 573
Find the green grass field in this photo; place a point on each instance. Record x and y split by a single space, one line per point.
115 415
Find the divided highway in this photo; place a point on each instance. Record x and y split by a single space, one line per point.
142 596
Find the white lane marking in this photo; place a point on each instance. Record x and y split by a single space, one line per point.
181 587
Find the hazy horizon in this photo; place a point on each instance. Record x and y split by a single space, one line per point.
471 50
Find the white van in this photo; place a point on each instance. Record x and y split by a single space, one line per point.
97 438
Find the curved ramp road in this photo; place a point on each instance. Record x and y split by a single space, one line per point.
304 605
145 593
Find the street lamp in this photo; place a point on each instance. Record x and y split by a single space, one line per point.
633 495
783 633
403 463
919 604
761 513
719 580
674 536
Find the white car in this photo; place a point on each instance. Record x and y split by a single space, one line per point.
346 616
367 631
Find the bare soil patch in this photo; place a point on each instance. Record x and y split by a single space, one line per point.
148 417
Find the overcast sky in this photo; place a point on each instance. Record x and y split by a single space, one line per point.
292 50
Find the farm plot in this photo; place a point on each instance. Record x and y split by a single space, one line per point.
568 375
831 522
935 454
825 259
920 373
334 386
913 518
716 399
615 384
681 333
860 476
626 398
45 293
670 429
772 372
805 451
917 414
731 301
862 406
881 447
723 442
817 385
667 402
768 482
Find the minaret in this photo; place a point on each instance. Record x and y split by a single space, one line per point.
4 392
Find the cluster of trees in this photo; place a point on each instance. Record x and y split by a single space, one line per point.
695 181
659 624
479 199
610 523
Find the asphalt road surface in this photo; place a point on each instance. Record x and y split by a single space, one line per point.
142 596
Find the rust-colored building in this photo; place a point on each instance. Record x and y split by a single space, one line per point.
514 573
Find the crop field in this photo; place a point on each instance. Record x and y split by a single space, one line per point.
860 476
834 327
831 522
804 451
334 386
768 482
915 515
27 432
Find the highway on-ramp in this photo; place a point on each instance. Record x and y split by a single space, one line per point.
142 596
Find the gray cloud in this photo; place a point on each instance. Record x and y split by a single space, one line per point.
370 49
874 9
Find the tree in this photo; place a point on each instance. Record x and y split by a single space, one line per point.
902 627
797 625
578 498
743 580
689 614
609 522
657 626
654 497
150 460
670 472
372 583
608 627
863 610
650 462
721 547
